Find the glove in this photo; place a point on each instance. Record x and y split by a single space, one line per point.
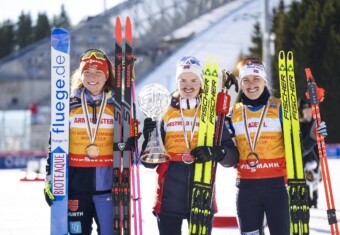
311 165
149 126
322 129
49 197
131 142
205 153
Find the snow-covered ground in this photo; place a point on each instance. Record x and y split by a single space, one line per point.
23 209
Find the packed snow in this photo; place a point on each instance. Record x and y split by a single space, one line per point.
23 209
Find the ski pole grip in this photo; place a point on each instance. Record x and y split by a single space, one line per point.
223 103
230 80
308 73
315 94
134 127
331 214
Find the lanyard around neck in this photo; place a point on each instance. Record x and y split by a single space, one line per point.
192 130
258 130
90 133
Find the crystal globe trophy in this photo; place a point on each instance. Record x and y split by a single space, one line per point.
154 100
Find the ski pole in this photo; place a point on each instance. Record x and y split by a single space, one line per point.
316 95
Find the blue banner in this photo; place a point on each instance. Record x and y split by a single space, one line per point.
18 161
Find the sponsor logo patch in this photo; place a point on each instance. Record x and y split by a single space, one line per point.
75 227
73 205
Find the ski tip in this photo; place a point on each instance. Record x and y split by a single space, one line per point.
59 31
308 73
281 55
60 40
290 55
128 30
118 32
117 20
128 20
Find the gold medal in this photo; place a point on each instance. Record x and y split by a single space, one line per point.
252 159
92 151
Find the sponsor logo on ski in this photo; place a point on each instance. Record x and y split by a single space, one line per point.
128 76
121 146
118 70
293 97
284 95
60 90
59 174
205 101
213 102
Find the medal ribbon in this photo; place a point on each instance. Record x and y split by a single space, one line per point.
187 142
90 133
258 131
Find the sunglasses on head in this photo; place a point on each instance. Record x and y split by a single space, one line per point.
189 60
98 54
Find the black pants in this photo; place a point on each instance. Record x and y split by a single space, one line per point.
172 225
253 203
82 208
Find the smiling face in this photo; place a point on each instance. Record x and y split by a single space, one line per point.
189 85
94 80
253 86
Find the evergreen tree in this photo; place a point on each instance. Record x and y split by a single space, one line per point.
278 28
256 39
24 32
6 38
42 29
62 21
310 28
327 67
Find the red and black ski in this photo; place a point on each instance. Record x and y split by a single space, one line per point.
122 126
117 153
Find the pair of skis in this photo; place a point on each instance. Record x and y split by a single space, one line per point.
202 192
210 134
125 126
316 95
299 208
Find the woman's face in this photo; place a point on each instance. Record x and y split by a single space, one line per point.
189 85
253 86
94 80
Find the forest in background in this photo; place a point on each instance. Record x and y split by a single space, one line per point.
311 29
17 35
